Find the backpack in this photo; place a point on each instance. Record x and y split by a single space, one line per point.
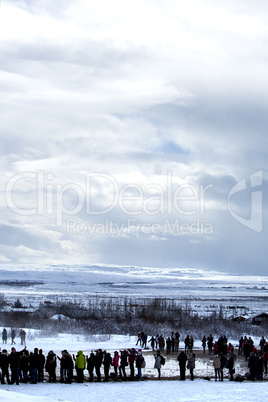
143 364
162 360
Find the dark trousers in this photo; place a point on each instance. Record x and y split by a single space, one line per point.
69 375
90 373
80 375
122 371
52 375
182 373
192 374
34 375
40 374
15 374
106 372
131 365
98 374
5 373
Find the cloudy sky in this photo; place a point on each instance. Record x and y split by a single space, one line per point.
134 133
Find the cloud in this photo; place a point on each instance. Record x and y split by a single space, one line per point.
157 102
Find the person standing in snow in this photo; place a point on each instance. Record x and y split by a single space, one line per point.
91 365
13 336
230 365
161 343
34 362
139 340
262 343
177 341
107 361
4 336
4 363
191 365
187 343
22 337
123 364
144 340
51 364
168 343
152 342
131 360
140 363
115 364
14 362
210 343
158 362
172 342
41 366
80 365
204 342
217 367
98 363
182 359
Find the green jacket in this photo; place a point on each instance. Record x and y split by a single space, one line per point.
80 361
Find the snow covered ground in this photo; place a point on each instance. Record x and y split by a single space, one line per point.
201 288
73 343
152 389
39 283
199 390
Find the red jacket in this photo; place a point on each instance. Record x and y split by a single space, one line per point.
115 362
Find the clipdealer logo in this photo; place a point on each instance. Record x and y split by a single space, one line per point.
102 194
40 193
254 222
133 227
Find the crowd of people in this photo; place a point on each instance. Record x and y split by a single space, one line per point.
224 357
24 366
22 335
170 344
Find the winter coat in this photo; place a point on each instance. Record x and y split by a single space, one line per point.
69 362
14 359
80 361
41 361
34 360
123 360
4 361
115 362
98 359
157 363
25 362
182 358
91 362
252 363
131 357
217 362
107 361
51 362
191 362
66 361
139 361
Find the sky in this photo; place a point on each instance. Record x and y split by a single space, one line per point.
134 133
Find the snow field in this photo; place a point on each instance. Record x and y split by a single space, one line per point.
149 391
158 390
